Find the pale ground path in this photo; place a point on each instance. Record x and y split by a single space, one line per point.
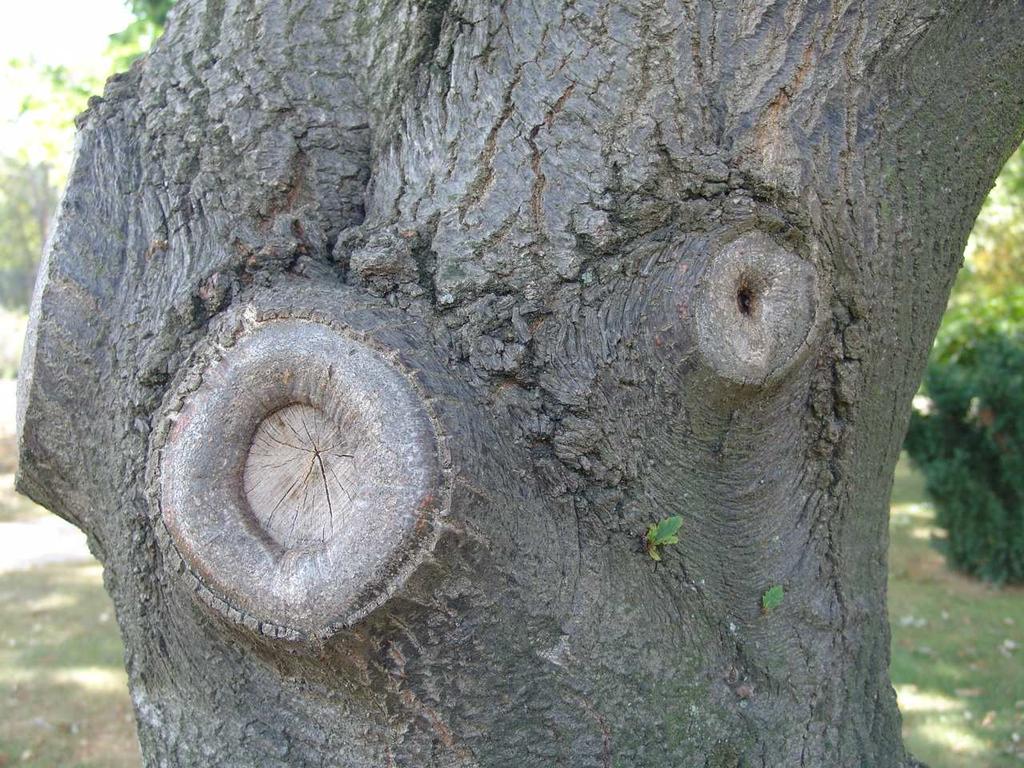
46 539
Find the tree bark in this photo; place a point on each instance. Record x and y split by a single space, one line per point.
544 273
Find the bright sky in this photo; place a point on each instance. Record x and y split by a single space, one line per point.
66 32
72 33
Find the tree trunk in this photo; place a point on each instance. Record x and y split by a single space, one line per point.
372 336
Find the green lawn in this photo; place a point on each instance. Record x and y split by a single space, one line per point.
63 691
957 647
958 660
14 508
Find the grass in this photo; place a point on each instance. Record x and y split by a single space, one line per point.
63 690
957 647
14 508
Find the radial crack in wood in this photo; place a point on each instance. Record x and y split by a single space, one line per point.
300 476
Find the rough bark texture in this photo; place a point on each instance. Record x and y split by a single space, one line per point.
636 259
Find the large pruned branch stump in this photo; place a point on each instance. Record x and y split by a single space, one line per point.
297 474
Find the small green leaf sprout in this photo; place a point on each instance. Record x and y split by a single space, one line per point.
772 599
661 534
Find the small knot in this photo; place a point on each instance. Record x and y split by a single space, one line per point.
756 309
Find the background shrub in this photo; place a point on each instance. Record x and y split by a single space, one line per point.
967 436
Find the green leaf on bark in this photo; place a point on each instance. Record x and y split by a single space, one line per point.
660 534
772 599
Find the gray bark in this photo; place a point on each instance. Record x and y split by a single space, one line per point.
617 262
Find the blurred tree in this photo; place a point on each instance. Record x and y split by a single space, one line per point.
994 258
135 39
32 171
42 101
967 436
27 201
152 11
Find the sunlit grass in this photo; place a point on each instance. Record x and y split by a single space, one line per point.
914 701
96 679
955 738
957 655
63 690
15 508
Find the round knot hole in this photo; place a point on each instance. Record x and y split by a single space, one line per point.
746 297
